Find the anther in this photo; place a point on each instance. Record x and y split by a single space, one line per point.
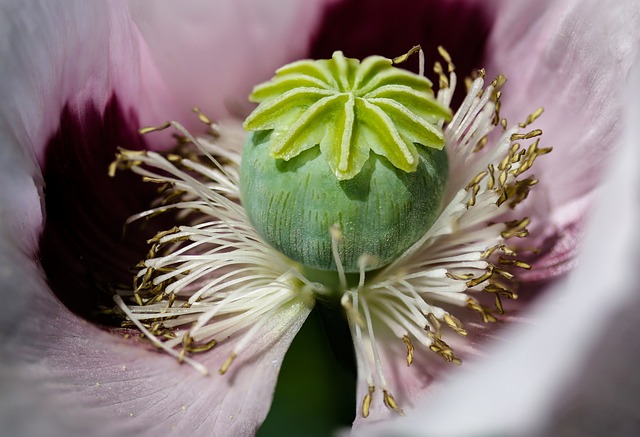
225 366
447 57
201 116
402 58
410 349
480 279
390 402
366 402
146 130
532 117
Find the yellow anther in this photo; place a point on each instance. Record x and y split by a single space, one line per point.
532 117
366 402
477 179
480 145
435 324
455 324
447 57
390 402
464 277
403 58
201 116
227 363
146 130
514 262
410 349
480 279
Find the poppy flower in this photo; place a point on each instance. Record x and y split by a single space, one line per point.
80 80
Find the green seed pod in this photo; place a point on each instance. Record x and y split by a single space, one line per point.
381 211
347 144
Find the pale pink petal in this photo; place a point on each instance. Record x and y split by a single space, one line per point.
570 57
80 60
92 372
565 373
211 53
79 53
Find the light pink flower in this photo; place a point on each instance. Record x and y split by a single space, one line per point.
62 65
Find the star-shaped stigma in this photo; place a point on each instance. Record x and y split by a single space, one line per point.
349 108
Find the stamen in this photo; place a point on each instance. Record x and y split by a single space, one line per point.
366 402
216 278
199 367
390 402
403 58
336 236
227 364
410 349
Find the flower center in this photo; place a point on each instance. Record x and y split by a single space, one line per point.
309 167
217 277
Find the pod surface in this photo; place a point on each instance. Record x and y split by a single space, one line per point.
381 212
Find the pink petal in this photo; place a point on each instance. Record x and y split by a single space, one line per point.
211 54
78 58
571 58
79 53
98 374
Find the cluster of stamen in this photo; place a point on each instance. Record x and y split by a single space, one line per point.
216 278
200 282
468 256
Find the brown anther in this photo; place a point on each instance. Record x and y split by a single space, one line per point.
485 313
503 198
502 179
472 201
518 224
499 304
159 235
518 157
515 262
480 279
532 134
503 164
